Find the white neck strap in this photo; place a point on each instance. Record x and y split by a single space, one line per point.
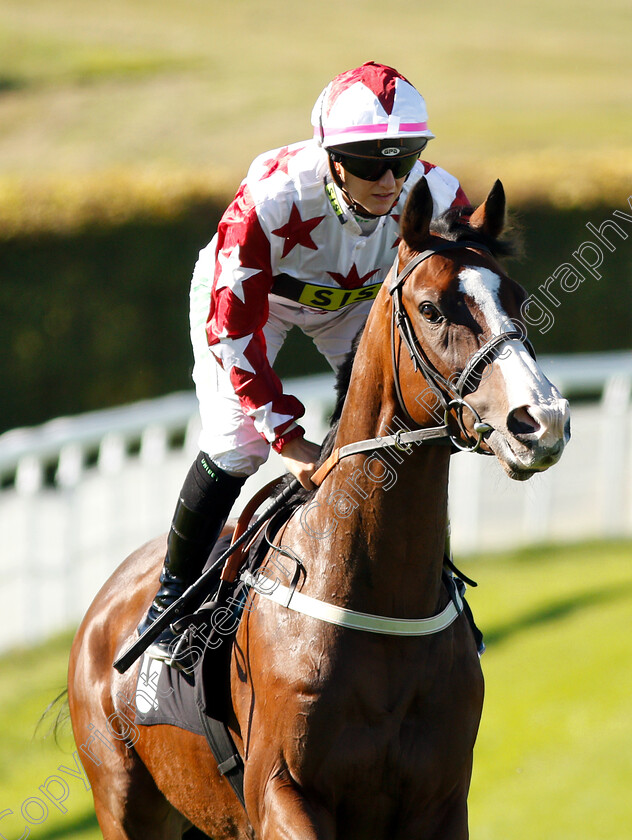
287 597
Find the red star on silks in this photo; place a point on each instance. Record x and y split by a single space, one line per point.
297 232
279 163
353 279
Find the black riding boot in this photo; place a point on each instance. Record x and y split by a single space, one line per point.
206 499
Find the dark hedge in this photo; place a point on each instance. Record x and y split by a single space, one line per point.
100 317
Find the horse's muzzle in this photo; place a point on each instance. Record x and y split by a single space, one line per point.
534 438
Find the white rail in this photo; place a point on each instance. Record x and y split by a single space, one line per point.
78 494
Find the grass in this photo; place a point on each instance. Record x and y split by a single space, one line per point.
554 757
554 754
535 93
29 753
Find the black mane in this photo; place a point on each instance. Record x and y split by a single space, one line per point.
453 225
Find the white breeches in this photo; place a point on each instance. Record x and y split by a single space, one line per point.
228 435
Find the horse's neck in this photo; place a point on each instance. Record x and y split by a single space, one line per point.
387 553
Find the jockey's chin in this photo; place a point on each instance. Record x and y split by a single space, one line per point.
376 197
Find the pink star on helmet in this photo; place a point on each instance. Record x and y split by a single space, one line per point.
233 273
371 102
378 78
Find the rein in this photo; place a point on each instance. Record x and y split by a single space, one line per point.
400 440
449 395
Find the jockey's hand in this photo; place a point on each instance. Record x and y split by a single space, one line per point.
300 456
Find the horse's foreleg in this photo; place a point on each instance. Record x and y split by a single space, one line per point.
287 815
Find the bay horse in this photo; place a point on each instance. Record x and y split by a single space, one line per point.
361 734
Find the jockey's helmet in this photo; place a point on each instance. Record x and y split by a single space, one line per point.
371 119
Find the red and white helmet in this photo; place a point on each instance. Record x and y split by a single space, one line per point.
371 103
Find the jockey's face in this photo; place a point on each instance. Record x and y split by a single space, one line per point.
377 197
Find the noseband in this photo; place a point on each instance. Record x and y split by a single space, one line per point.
449 393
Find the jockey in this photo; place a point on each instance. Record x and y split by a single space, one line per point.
307 242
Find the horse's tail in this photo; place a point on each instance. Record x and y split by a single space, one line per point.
58 712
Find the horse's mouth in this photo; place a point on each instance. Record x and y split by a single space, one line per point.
528 460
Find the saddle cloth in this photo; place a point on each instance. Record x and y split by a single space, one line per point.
165 695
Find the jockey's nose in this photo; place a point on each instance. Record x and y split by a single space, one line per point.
387 179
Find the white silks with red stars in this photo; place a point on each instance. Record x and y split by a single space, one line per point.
282 222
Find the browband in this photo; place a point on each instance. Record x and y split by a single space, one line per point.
442 245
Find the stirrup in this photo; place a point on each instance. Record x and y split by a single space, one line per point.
161 648
182 656
174 650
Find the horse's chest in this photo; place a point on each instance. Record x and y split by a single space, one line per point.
371 723
365 723
370 766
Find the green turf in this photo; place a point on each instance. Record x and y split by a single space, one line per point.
29 752
195 84
554 755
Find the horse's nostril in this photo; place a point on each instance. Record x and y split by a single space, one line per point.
521 422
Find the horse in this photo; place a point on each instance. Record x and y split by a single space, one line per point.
352 720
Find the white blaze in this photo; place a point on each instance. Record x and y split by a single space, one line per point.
525 383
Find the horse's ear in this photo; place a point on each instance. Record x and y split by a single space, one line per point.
415 222
490 216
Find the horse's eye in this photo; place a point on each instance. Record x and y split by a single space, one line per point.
430 313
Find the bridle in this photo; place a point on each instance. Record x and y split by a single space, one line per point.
448 393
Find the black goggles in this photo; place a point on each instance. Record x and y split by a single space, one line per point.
372 168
